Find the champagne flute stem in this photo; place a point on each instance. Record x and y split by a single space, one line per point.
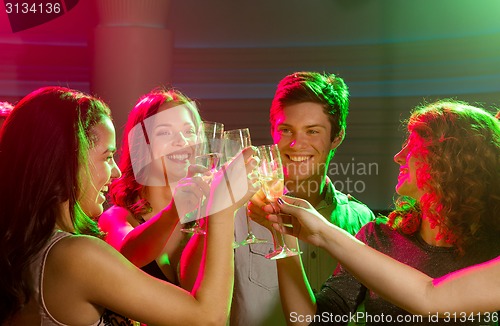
249 228
277 244
198 215
196 227
284 246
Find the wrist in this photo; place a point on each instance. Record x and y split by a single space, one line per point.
326 235
222 217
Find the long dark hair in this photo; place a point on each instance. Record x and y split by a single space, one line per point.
42 149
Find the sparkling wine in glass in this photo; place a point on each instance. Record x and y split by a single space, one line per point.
273 187
210 160
208 153
234 142
272 179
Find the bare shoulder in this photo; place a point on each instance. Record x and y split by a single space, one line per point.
80 251
84 270
79 241
82 245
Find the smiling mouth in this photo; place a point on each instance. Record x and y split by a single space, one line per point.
104 190
178 157
402 173
299 158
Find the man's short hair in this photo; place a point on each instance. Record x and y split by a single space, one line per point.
328 90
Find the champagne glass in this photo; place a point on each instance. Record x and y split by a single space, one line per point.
207 153
272 179
234 141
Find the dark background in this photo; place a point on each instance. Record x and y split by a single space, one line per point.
230 54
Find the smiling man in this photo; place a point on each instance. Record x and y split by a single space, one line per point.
308 122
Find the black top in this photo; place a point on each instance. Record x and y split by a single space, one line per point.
154 270
342 293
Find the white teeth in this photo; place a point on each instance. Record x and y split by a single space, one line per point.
298 158
179 157
104 189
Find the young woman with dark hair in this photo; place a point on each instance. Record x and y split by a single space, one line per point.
56 163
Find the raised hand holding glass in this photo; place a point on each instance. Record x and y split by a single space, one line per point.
234 141
208 152
272 179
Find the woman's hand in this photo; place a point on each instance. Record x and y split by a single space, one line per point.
191 189
234 183
297 217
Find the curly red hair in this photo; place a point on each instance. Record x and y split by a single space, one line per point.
460 147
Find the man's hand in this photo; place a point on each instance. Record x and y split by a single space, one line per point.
255 211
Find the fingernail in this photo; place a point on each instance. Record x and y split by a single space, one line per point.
280 201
